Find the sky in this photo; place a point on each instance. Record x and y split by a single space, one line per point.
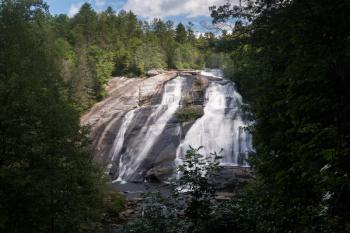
195 11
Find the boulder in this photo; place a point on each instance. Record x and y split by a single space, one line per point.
159 172
232 178
153 72
183 74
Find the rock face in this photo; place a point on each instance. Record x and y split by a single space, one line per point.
124 94
136 133
152 73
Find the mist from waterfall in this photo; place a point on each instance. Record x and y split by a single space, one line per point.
221 128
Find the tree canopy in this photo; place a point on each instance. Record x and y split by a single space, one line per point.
291 62
48 180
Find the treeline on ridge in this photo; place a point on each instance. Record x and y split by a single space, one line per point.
92 47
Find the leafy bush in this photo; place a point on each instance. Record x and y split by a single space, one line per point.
149 56
188 57
189 113
191 204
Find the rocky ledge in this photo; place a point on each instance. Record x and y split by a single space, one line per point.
144 96
124 94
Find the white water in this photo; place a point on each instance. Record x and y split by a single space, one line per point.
221 128
216 73
148 135
119 140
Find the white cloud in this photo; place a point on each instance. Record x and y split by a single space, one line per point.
161 8
100 3
74 9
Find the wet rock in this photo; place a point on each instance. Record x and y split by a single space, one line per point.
186 127
136 199
126 214
232 177
160 172
145 96
224 196
154 72
183 74
105 118
188 72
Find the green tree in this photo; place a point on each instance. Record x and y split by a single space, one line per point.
291 62
190 33
85 24
49 182
149 56
188 57
181 34
191 204
104 65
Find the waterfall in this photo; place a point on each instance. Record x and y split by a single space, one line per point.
149 138
131 160
221 128
119 139
217 73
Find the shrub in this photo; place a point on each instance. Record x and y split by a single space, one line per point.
189 113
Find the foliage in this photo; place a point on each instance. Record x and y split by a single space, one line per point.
187 111
290 62
191 204
159 214
149 56
48 180
104 62
221 61
113 204
187 57
181 34
91 47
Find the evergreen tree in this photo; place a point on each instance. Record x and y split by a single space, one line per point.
48 180
85 24
181 34
149 56
190 33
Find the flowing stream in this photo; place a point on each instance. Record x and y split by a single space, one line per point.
221 129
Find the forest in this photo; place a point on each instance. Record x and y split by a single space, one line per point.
91 47
290 60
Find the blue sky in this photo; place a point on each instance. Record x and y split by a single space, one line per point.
184 11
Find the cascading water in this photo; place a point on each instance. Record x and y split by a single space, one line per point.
131 160
119 140
149 138
221 128
217 73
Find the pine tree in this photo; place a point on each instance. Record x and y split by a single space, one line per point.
181 33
